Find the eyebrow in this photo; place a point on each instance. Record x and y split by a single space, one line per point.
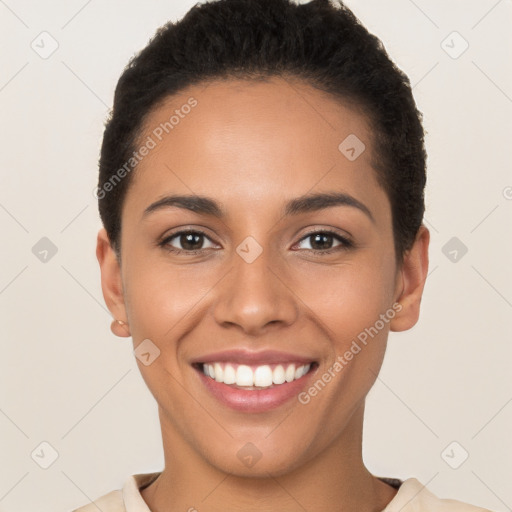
303 204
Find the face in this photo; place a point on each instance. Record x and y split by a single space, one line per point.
252 275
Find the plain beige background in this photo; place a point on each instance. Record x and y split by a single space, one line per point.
67 381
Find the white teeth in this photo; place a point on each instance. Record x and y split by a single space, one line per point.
262 376
229 374
278 375
290 373
301 370
218 372
244 376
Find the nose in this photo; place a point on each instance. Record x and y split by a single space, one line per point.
255 295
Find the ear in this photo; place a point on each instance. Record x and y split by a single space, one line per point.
412 277
111 284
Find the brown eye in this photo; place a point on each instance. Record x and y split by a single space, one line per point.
322 242
189 241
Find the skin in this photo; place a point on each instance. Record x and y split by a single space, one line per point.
252 147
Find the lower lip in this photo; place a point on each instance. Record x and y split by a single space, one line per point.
254 400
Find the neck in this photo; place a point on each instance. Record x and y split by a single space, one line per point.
335 480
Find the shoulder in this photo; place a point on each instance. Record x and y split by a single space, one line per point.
413 496
111 502
127 499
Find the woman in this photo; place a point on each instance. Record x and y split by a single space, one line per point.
262 194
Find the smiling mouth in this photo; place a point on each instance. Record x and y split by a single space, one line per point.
255 377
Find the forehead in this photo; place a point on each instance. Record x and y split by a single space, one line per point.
257 141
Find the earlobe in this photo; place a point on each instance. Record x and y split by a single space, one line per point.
413 276
111 284
120 328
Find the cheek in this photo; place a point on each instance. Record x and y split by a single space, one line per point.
354 307
349 298
159 297
160 302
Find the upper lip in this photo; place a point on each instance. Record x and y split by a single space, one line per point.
252 358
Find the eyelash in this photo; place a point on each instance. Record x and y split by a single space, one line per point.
345 243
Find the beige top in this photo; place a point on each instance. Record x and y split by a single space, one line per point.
412 496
